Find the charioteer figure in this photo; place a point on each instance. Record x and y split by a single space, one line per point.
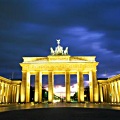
59 50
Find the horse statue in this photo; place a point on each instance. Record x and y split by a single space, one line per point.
52 51
66 51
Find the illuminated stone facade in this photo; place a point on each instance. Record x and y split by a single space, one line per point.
9 90
109 90
59 62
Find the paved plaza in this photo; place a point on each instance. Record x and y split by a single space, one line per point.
60 111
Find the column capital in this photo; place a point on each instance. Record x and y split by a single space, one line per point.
100 84
80 72
67 71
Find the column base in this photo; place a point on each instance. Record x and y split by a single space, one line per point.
50 102
22 102
81 102
68 102
36 102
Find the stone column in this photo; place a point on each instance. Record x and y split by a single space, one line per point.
0 87
3 91
28 87
109 92
95 88
40 87
80 83
105 90
105 86
91 85
23 86
10 94
101 93
7 92
18 93
36 87
67 84
15 93
119 89
112 93
116 92
6 89
0 92
50 86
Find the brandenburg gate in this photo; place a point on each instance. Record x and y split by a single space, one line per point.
59 62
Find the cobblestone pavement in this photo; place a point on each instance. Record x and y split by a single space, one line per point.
60 111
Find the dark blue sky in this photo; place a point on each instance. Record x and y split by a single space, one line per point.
87 27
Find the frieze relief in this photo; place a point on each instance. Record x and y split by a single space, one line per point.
65 66
60 58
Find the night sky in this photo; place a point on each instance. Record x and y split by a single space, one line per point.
88 27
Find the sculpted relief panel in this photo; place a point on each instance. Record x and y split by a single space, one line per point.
58 66
59 58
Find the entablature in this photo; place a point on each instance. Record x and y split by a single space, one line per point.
2 79
110 80
59 66
9 81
